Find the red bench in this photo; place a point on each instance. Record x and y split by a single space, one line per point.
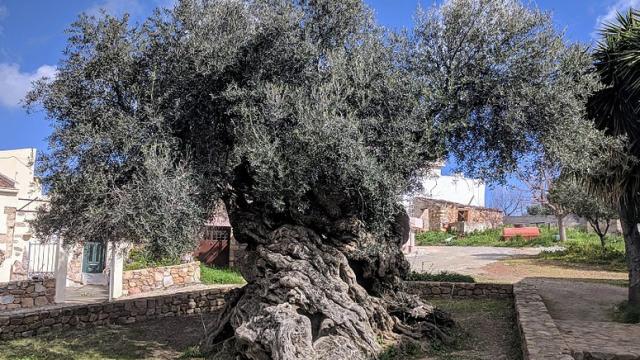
525 232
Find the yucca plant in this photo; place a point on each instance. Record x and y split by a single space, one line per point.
615 109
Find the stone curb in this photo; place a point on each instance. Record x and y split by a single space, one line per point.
541 339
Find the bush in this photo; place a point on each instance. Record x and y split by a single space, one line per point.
432 238
211 275
626 314
141 259
584 248
443 276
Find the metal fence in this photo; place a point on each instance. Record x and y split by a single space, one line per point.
42 258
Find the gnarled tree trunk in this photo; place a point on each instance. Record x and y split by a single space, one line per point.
311 294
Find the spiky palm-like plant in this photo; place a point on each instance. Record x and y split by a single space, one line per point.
616 110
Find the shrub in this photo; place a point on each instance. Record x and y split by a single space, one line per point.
444 276
141 259
432 238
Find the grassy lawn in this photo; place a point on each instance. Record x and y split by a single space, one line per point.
587 251
487 330
148 340
209 275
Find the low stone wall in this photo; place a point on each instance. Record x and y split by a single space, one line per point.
150 279
541 338
452 290
19 324
27 294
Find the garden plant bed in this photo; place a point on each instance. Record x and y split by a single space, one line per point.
486 330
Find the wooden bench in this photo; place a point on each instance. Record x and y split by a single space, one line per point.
525 232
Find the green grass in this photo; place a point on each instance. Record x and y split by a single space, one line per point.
626 314
209 275
443 276
585 249
490 237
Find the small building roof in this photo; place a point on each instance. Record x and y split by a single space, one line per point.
7 183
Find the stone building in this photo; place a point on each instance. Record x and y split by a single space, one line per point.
442 215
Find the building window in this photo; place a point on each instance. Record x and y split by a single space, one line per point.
463 215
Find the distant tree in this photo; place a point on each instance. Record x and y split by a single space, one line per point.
509 200
309 122
597 211
547 192
538 210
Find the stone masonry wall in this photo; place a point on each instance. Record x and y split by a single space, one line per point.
19 324
449 290
150 279
27 294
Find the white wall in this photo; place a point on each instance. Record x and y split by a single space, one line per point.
19 166
454 188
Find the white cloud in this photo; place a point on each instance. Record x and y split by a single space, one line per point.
620 6
15 84
116 7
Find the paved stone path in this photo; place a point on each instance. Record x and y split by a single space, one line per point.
601 340
571 299
462 259
582 314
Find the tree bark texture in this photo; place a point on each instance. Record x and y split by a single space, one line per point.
309 295
562 231
632 250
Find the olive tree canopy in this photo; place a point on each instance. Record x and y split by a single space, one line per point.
310 122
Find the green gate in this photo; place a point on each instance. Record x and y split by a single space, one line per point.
93 258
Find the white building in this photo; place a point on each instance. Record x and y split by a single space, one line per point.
20 196
455 188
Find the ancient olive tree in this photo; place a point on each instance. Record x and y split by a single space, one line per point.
309 122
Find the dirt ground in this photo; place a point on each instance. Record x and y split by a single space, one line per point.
514 270
487 331
167 338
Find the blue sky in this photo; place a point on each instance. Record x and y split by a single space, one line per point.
32 38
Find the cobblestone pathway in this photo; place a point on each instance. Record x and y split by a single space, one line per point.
601 340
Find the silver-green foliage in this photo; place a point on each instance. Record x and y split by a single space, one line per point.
306 110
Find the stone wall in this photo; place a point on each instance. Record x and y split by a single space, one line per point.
38 321
451 290
150 279
27 294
